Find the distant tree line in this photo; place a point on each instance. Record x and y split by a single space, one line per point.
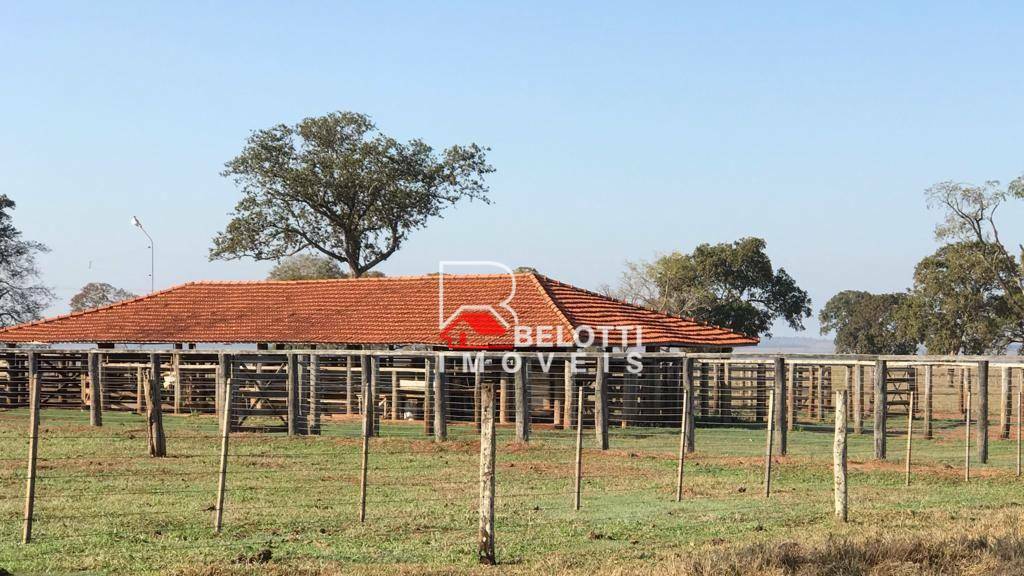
967 297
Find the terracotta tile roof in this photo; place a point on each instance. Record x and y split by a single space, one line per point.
396 310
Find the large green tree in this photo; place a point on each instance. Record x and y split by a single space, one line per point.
969 212
733 285
866 323
22 296
336 185
958 304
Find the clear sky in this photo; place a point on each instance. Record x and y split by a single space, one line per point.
619 130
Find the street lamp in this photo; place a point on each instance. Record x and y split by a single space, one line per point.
152 258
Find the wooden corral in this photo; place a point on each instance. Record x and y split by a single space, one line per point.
294 390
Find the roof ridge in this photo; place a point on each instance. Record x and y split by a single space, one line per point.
552 300
360 279
650 310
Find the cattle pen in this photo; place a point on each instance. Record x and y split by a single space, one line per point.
486 434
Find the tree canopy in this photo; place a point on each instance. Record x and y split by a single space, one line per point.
312 267
306 267
866 323
732 285
336 185
23 297
96 294
958 304
970 217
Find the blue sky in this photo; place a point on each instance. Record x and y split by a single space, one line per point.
618 131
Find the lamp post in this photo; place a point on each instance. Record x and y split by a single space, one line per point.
152 258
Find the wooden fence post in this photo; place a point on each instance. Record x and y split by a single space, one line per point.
967 438
568 392
225 432
688 406
858 398
683 425
440 401
487 480
601 403
154 409
761 391
313 418
349 366
982 417
965 384
503 399
881 408
375 394
176 372
769 442
578 484
929 394
292 389
140 391
630 399
839 457
478 398
819 393
428 398
396 397
791 395
1005 404
95 390
522 386
369 407
781 403
219 387
723 388
1020 416
35 395
910 435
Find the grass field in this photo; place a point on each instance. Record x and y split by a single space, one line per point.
103 506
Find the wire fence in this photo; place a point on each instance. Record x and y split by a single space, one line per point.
289 448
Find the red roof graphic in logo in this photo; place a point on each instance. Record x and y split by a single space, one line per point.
474 329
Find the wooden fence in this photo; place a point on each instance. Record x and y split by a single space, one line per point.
295 392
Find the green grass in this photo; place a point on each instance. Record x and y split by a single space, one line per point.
103 506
